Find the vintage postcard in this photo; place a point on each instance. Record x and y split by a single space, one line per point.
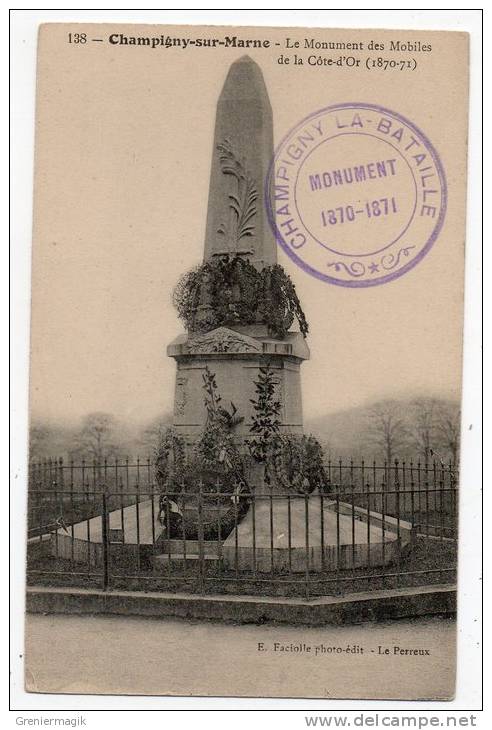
245 385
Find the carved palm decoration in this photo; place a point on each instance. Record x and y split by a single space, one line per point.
242 201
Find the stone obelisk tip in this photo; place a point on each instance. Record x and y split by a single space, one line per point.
244 76
242 152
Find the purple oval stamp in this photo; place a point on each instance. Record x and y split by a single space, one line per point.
356 194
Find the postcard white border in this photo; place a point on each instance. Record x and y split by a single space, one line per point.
23 50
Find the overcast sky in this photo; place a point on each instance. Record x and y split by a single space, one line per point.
123 163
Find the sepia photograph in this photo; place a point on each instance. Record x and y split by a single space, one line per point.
246 361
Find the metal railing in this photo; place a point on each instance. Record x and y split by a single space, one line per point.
373 526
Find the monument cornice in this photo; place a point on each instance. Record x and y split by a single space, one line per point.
226 341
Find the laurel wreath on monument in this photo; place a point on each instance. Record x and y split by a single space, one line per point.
170 458
294 461
298 463
214 458
213 471
229 290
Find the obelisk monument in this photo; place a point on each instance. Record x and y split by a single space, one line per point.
242 152
226 334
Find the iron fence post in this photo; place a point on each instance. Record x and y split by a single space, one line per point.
200 538
306 527
398 525
82 511
105 539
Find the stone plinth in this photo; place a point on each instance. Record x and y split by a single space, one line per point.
235 358
260 543
83 542
319 538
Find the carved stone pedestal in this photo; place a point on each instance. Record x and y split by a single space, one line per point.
235 358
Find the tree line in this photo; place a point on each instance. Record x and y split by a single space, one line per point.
420 429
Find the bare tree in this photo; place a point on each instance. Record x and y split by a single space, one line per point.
423 426
448 419
387 429
40 441
96 440
152 435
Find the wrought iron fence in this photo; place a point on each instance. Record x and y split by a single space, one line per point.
373 526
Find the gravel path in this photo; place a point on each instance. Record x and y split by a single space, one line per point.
118 655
